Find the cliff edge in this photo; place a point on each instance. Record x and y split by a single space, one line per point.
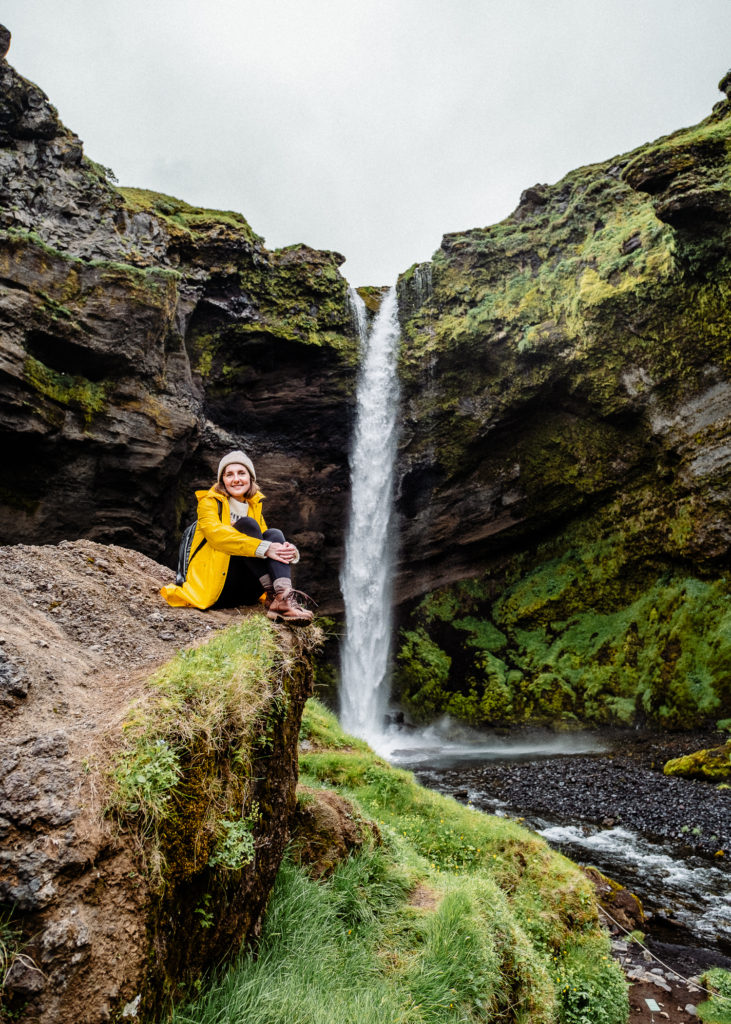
146 801
566 449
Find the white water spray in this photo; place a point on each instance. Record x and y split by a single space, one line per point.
367 575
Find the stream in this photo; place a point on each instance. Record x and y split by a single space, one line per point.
603 803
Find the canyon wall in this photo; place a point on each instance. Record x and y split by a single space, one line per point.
141 339
563 489
566 449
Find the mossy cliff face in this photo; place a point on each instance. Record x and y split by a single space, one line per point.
141 339
566 445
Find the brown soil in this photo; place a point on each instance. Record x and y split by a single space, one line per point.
77 615
651 980
426 898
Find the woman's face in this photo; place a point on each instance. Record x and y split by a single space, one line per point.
237 480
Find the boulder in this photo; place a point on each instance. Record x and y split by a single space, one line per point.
713 764
326 829
623 909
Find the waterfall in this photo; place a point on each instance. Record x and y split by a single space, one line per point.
367 575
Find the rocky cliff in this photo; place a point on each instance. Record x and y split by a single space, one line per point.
565 446
144 813
140 338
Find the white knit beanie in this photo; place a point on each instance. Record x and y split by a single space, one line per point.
236 457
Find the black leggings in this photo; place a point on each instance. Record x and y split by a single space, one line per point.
243 581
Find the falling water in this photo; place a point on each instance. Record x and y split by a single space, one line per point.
366 579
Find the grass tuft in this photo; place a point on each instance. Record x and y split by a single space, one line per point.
717 1009
180 779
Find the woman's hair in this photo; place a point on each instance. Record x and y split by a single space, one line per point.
220 487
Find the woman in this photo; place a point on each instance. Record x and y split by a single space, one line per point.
233 556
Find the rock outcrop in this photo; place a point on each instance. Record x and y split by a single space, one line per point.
141 337
713 764
327 829
115 915
566 445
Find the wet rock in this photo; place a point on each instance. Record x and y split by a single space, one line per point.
650 803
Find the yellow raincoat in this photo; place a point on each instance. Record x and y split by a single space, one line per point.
214 541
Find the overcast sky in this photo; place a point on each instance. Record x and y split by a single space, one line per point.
367 126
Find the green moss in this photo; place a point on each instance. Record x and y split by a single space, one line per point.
55 310
581 286
372 297
75 392
183 773
713 764
582 630
183 219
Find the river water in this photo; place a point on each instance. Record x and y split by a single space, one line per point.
549 782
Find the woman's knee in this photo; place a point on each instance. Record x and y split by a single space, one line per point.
248 526
275 535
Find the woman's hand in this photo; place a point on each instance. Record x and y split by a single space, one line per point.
282 552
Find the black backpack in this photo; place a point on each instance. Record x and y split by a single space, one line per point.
185 556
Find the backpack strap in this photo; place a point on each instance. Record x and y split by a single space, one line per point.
202 544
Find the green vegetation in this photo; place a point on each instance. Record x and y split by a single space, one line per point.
717 1009
182 219
372 296
76 392
456 917
713 764
591 626
235 847
173 779
570 641
98 172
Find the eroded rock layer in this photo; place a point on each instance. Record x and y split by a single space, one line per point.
566 447
140 338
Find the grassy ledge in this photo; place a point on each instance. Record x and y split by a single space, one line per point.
202 786
199 705
455 917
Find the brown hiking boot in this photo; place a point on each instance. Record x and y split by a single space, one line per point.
286 607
